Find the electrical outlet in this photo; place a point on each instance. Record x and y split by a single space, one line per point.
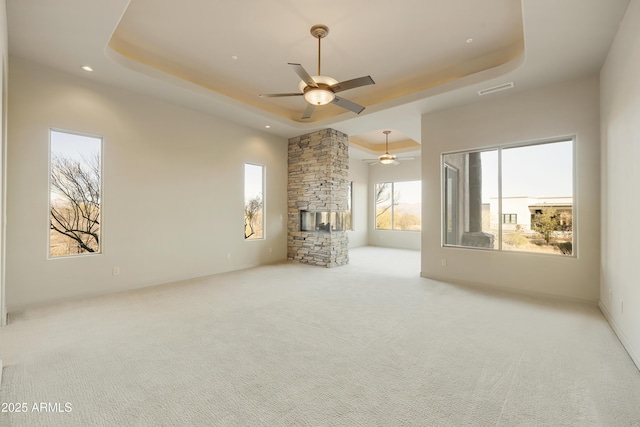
115 271
444 262
228 255
270 250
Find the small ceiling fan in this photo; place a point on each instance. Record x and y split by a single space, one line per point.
386 158
321 90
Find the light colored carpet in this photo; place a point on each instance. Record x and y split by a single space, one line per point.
294 345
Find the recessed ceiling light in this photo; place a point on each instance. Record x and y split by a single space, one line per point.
469 40
87 68
268 126
234 57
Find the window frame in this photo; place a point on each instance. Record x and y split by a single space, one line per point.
499 148
375 207
100 250
349 210
264 198
392 207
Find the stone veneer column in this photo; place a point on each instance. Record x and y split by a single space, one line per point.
318 172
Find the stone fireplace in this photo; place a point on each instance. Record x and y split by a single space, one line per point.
317 198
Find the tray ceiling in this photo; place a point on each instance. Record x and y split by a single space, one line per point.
239 51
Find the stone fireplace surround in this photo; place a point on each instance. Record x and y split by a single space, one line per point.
318 179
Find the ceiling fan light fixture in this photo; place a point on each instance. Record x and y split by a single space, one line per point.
319 96
320 90
387 159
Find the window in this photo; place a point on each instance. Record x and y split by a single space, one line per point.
75 182
533 182
398 205
509 218
253 201
349 221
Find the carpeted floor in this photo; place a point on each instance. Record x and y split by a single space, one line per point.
294 345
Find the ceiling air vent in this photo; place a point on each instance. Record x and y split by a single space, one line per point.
498 88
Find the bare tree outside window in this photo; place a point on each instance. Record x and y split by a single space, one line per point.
398 205
349 221
383 205
253 201
75 192
252 213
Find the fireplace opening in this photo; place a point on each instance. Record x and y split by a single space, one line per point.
322 221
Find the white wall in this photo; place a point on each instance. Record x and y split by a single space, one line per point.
620 115
172 189
359 175
3 156
567 108
408 170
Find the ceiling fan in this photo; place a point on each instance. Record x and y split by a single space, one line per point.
321 90
386 158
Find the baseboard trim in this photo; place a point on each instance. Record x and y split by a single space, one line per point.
635 356
19 308
522 292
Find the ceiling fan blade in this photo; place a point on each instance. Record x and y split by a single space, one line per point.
300 71
395 162
278 95
349 105
406 158
351 84
308 111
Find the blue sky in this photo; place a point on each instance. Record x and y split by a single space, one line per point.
253 176
73 145
543 170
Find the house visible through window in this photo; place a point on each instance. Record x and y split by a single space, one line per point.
253 201
75 185
398 205
532 182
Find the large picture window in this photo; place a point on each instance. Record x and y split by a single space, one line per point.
75 183
398 205
253 201
512 198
